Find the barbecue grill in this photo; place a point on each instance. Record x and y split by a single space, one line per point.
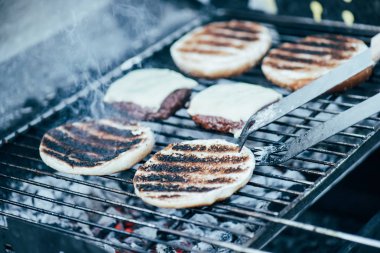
87 213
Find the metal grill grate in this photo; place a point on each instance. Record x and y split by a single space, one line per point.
265 205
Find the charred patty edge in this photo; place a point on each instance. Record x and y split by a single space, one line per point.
172 103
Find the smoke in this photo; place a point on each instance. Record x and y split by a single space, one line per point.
46 46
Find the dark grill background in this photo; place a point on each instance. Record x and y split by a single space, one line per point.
321 166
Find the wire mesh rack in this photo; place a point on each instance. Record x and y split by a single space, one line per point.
105 210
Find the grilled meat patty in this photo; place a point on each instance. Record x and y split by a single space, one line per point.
226 107
193 173
149 94
293 65
96 147
221 49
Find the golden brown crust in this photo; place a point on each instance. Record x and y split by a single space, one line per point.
353 81
349 83
193 173
223 73
294 65
243 42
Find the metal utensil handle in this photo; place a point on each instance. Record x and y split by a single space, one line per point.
375 48
312 90
332 126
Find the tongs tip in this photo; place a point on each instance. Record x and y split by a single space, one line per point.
241 140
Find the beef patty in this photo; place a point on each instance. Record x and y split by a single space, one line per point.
149 94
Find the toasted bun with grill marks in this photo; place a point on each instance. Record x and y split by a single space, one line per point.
193 173
221 49
293 65
96 147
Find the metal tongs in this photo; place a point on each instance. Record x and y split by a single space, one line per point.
275 154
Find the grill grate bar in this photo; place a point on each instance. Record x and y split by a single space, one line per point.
114 178
226 216
175 232
311 228
271 131
345 104
299 126
37 138
73 180
230 204
310 160
75 234
250 138
325 151
129 181
315 170
116 203
92 185
284 190
73 218
22 145
277 201
97 185
335 112
355 96
260 173
319 120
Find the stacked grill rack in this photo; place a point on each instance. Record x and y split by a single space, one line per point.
297 183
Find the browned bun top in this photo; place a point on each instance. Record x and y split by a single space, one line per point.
295 64
88 144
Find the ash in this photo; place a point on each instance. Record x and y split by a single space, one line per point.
60 207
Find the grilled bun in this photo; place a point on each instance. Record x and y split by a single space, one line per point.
96 147
293 65
221 49
193 173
